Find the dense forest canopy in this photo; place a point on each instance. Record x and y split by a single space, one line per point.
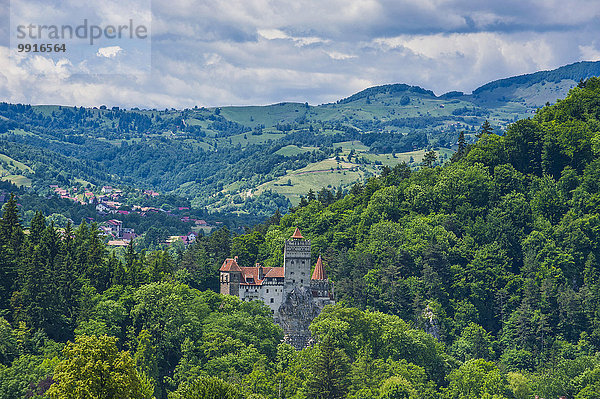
479 279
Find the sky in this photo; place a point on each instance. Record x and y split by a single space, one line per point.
255 52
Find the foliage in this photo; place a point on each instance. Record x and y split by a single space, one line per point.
94 368
480 278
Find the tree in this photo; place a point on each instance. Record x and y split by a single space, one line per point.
10 218
10 227
207 388
329 372
94 368
429 158
486 128
473 343
38 224
397 388
462 147
477 378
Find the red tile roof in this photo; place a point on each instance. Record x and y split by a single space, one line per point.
230 265
319 272
250 275
297 234
275 272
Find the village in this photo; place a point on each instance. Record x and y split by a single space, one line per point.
113 201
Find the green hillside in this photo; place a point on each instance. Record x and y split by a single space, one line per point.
243 159
476 279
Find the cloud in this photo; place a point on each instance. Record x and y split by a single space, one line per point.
336 55
109 52
590 52
275 34
210 52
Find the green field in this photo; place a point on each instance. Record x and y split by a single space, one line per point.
16 164
293 150
328 173
18 180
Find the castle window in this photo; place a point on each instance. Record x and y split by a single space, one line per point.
267 290
301 281
293 281
272 300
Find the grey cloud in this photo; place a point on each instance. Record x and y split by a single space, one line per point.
211 52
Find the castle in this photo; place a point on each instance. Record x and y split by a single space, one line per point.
294 295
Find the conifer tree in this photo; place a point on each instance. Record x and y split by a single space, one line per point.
10 226
118 273
38 224
486 128
462 145
329 372
429 158
10 217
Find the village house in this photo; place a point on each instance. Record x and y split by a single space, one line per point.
116 227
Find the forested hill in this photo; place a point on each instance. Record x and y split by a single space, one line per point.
479 279
253 160
497 253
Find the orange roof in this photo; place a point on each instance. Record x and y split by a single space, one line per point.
230 265
250 274
297 234
319 272
276 272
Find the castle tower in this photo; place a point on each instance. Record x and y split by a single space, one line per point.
230 277
296 261
321 287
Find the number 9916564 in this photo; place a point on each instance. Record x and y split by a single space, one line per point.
41 48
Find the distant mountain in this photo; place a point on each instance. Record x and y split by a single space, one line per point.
255 159
537 88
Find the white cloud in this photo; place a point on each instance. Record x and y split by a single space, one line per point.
336 55
210 52
589 52
109 52
274 34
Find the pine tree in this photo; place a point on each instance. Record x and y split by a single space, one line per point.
274 220
10 226
462 148
10 218
40 301
429 158
329 372
486 128
117 269
462 145
38 225
95 268
130 263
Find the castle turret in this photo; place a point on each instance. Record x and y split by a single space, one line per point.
319 272
230 277
296 261
321 287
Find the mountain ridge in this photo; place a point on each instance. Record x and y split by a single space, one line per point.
226 158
